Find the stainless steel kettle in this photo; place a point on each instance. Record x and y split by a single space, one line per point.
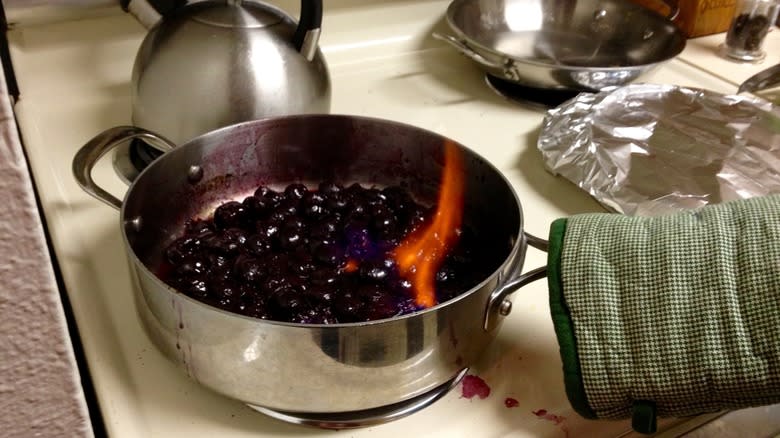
212 63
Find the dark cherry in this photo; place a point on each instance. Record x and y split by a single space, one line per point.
313 206
384 222
373 196
194 287
354 189
328 188
181 249
311 256
336 202
317 315
288 207
289 238
268 227
230 215
445 273
255 308
228 242
286 302
191 268
223 288
382 306
258 244
323 280
396 197
348 307
279 265
324 229
268 196
296 191
329 254
195 227
248 269
257 207
375 272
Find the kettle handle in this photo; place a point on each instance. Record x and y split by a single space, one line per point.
307 34
305 39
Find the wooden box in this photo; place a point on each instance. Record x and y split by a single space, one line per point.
697 17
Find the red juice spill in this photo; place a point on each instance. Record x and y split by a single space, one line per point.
558 420
511 402
542 413
474 386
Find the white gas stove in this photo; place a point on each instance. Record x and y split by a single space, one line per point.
74 78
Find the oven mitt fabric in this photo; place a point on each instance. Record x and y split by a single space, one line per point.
672 315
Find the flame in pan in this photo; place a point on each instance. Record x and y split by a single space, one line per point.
422 252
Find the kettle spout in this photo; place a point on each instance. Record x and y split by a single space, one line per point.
149 13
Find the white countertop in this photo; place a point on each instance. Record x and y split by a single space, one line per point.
74 79
702 52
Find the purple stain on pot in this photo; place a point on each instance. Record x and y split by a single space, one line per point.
454 339
279 151
185 351
511 402
474 386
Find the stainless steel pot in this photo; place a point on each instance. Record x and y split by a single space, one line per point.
297 367
569 44
218 62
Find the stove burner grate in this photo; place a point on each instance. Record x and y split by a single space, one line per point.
141 154
538 98
131 158
368 417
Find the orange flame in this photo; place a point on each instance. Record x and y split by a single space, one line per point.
350 266
421 253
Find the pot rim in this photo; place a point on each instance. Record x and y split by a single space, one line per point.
518 247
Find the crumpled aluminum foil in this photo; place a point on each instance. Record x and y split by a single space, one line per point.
649 149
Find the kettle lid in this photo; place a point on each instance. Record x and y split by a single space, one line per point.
235 14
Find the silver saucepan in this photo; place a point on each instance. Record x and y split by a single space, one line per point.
288 367
566 44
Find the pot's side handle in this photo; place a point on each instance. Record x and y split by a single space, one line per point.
307 34
90 153
463 47
498 305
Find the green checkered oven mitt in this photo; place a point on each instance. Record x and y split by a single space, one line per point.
673 315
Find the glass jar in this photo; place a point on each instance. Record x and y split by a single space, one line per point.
745 37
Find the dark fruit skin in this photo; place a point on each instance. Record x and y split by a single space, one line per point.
310 256
231 214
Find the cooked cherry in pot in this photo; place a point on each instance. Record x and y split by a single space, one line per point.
312 256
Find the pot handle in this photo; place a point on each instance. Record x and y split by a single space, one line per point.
463 47
498 305
307 34
90 153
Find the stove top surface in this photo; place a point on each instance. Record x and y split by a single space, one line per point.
533 97
389 67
